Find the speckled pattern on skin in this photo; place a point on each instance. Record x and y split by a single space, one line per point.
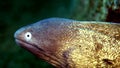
73 44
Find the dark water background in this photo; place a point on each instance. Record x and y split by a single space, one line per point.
17 13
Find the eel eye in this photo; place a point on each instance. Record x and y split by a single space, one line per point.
28 36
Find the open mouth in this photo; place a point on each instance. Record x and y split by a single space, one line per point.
34 49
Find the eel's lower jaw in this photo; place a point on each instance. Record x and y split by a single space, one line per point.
39 53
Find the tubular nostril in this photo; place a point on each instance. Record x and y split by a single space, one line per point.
15 34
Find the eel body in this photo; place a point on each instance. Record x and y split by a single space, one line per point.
67 43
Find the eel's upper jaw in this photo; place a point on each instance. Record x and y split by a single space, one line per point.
18 34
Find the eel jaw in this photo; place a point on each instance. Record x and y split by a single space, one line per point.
40 53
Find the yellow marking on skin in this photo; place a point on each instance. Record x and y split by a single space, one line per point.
83 44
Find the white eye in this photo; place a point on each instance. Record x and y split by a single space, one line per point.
28 36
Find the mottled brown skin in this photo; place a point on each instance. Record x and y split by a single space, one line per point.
73 44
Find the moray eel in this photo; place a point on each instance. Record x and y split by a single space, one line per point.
67 43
